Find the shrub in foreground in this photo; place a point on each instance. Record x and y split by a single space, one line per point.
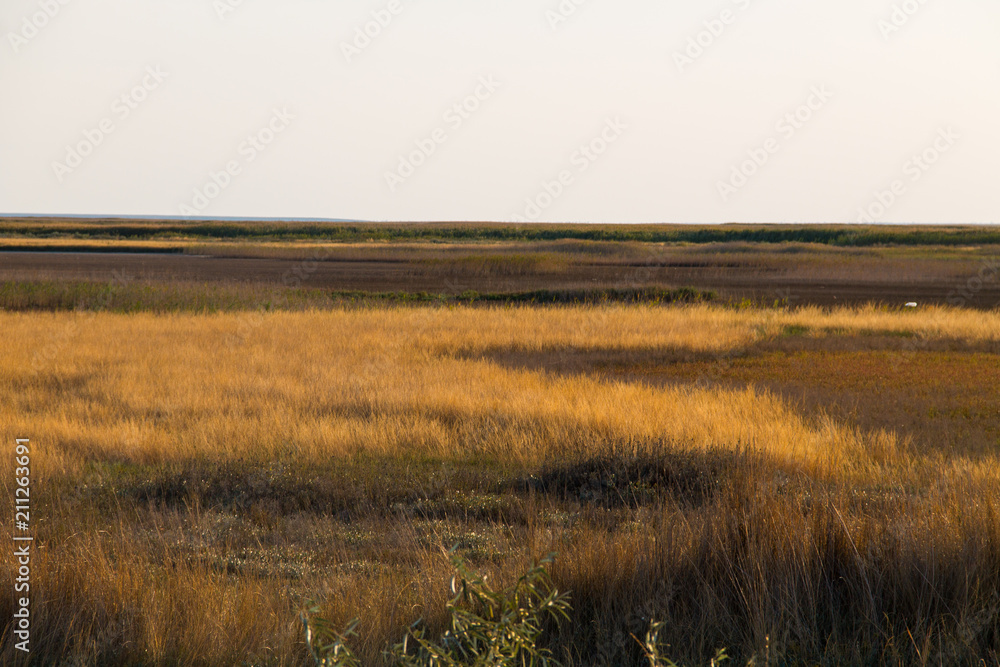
487 628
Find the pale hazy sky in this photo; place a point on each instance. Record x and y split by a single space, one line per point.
667 123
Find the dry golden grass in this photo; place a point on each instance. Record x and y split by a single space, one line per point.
147 389
200 476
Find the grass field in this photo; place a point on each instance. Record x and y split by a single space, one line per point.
799 486
348 232
233 421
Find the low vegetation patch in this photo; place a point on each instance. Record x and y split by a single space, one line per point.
836 235
636 479
163 297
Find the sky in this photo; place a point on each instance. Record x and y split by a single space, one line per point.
881 111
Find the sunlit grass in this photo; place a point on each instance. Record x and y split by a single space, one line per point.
201 477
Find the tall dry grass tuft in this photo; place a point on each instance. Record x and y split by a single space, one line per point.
806 581
100 598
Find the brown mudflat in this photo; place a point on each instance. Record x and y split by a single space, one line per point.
848 282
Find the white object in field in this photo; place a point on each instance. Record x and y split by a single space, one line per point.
911 304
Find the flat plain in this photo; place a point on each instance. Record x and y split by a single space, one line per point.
746 438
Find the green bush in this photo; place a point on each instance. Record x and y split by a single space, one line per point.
488 628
